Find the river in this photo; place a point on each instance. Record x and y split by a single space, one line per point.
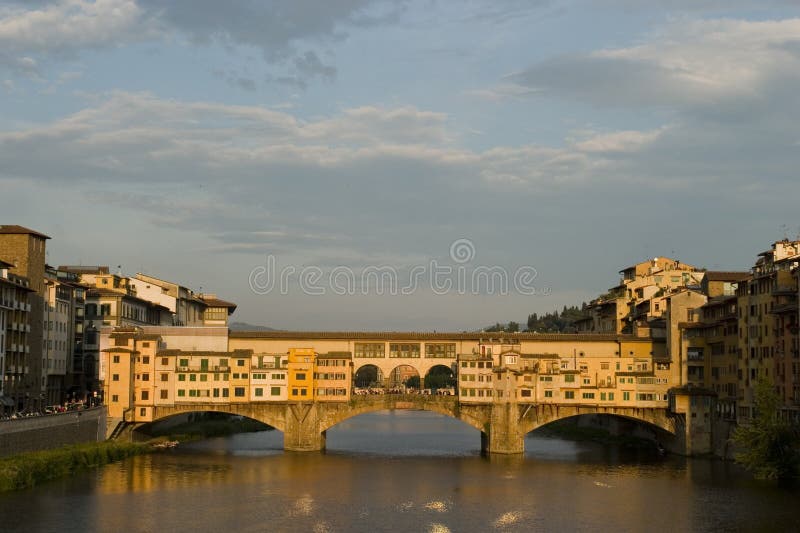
402 471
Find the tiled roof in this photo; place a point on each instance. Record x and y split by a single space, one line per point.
13 229
720 275
430 336
216 302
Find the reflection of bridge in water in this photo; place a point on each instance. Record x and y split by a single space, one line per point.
503 425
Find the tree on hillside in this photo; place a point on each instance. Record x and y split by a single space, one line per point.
769 444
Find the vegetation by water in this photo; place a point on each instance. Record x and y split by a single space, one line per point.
207 425
29 469
771 446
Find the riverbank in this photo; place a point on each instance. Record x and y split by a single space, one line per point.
30 469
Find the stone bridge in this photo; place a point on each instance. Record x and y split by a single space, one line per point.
503 425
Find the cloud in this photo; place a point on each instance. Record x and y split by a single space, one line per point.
65 27
700 63
287 33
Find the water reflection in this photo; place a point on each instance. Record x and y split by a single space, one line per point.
405 471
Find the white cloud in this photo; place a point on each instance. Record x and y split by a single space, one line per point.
688 63
69 25
618 141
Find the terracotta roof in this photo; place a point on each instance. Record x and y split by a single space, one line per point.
431 336
720 275
216 302
13 229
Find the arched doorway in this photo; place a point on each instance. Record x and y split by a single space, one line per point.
368 376
404 378
441 379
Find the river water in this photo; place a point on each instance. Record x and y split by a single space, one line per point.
402 471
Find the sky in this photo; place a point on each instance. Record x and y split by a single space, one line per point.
406 165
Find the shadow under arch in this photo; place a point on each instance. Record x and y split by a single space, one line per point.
368 375
441 376
650 426
272 415
206 423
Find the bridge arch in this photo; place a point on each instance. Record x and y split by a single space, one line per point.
441 376
537 416
475 416
271 415
368 375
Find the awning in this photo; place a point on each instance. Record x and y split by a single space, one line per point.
5 400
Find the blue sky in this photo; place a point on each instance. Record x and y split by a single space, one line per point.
193 139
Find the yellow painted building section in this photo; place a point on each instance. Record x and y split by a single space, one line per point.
301 374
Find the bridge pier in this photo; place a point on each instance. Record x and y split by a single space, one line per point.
302 432
503 434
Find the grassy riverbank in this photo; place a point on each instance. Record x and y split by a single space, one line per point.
30 469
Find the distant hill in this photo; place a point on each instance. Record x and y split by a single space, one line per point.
244 326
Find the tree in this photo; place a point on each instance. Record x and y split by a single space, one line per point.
769 444
513 327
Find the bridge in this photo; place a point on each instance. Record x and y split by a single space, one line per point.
503 425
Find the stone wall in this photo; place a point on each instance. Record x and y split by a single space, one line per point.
52 431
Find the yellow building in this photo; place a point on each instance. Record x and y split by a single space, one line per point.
301 374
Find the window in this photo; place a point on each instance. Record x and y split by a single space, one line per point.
569 395
181 392
105 309
548 394
588 396
525 393
164 377
369 350
203 377
143 412
164 394
115 397
225 393
183 362
611 396
259 391
216 393
145 395
181 377
116 359
192 377
301 376
164 361
145 377
240 362
303 392
115 377
569 378
403 350
441 350
238 392
626 396
275 391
